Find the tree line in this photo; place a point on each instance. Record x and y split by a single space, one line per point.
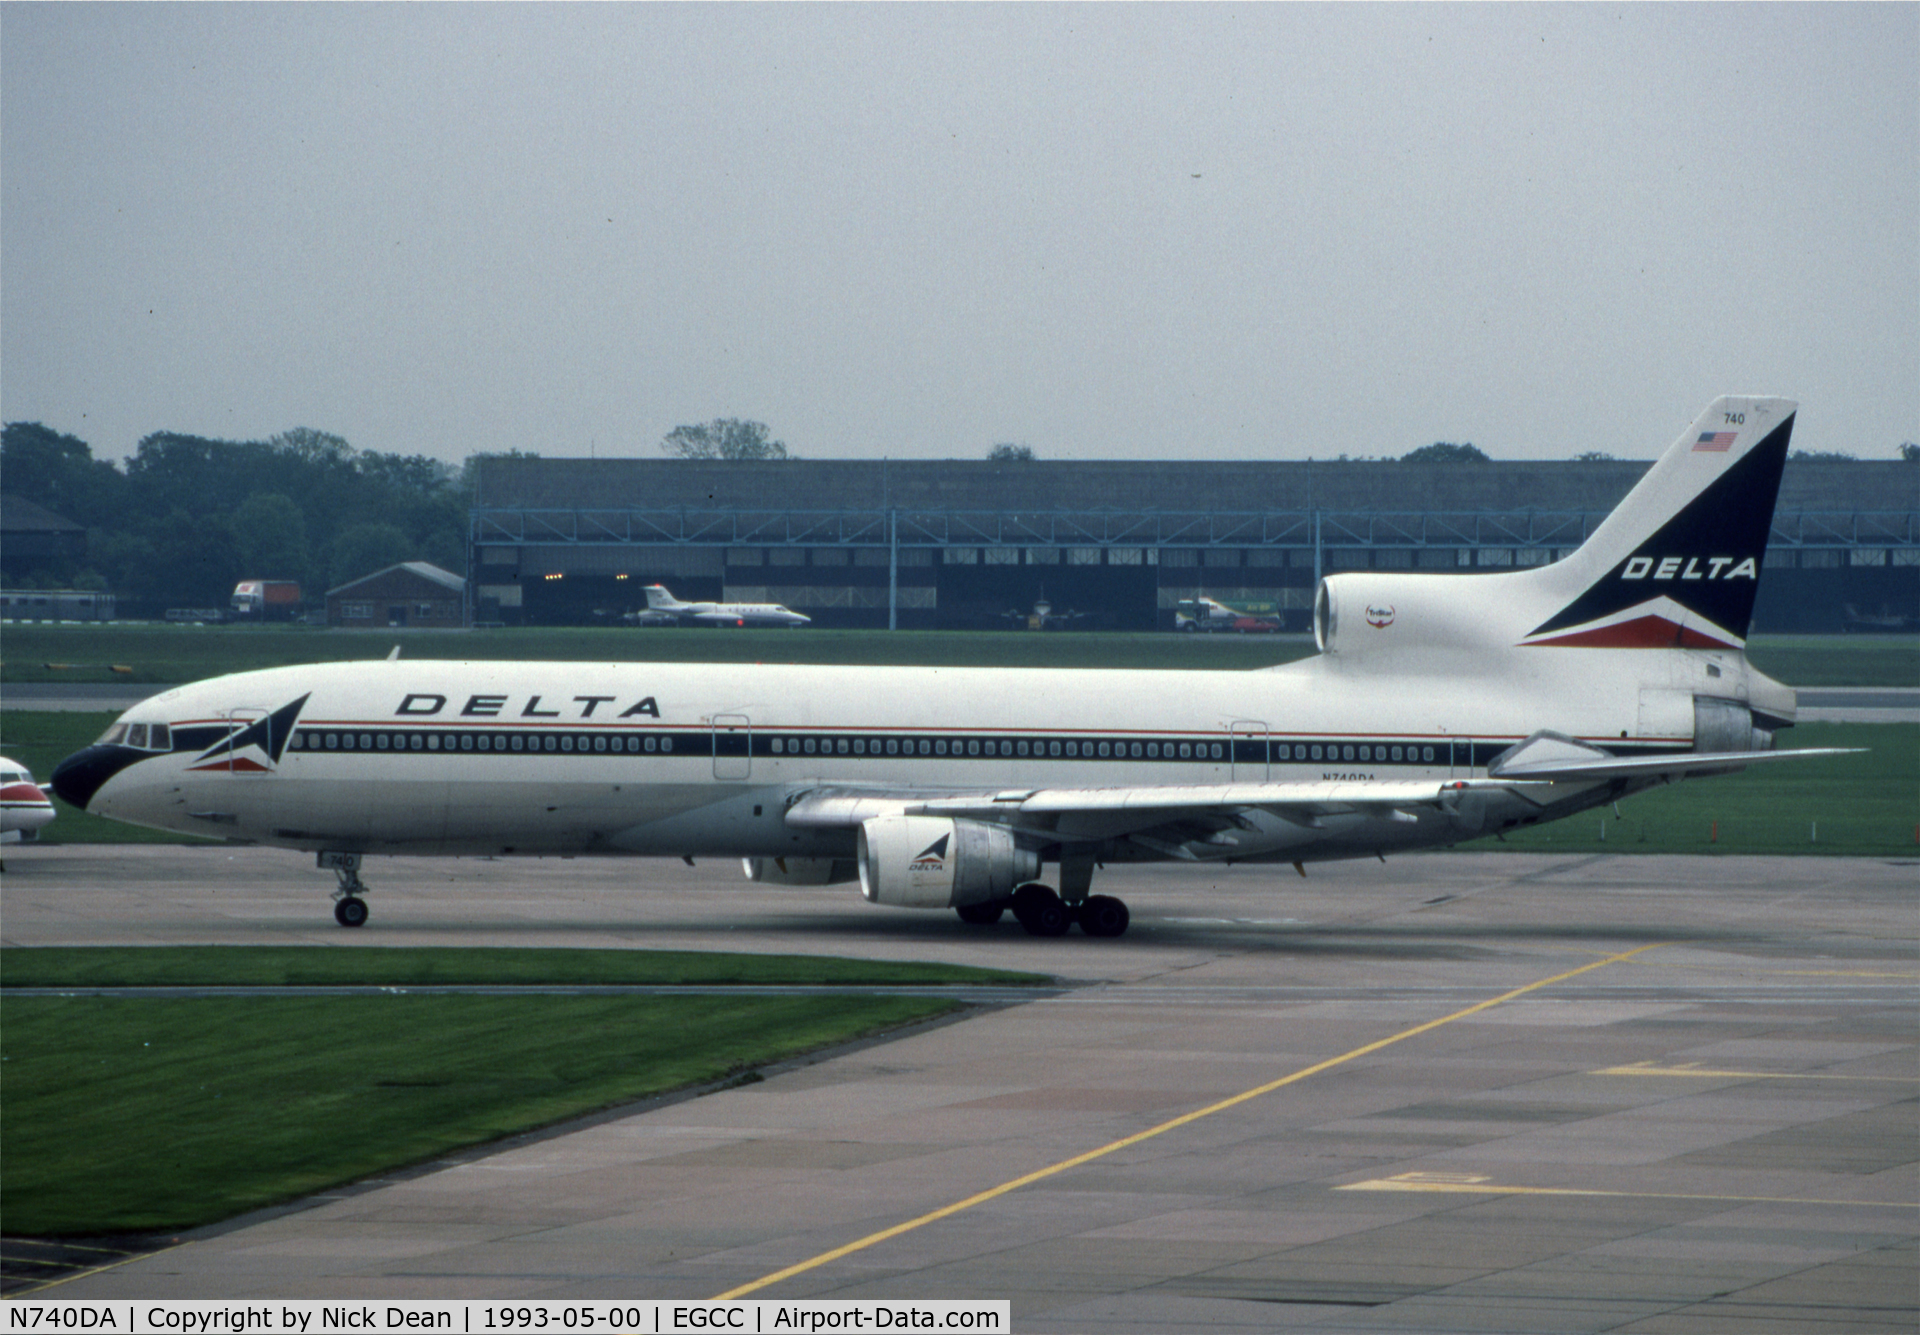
186 518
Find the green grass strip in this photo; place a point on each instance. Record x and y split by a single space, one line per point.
188 653
139 1115
384 966
1834 660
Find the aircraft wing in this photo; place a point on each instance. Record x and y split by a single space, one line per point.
1201 821
1181 820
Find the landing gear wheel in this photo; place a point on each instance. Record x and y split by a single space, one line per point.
350 912
984 914
1103 915
1040 910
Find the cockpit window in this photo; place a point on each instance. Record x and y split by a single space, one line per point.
145 736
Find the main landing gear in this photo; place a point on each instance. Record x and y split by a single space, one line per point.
349 909
1043 913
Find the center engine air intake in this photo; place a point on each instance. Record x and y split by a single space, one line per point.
931 862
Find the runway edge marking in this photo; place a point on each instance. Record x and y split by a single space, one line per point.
1185 1119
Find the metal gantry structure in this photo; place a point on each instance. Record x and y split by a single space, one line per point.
1156 529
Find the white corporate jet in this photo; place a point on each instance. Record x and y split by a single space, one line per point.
661 604
1440 708
24 808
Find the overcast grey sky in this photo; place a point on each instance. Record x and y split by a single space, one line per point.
1106 231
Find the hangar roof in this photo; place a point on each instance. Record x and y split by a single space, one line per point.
976 485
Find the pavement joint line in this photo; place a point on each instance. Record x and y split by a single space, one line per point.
1473 1185
1909 975
1648 1068
1185 1119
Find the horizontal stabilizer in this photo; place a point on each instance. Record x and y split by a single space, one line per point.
1562 769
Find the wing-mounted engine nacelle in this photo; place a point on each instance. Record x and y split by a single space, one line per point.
931 862
800 871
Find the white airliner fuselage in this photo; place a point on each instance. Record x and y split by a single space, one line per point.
1441 708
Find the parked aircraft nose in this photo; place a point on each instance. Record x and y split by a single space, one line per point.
77 778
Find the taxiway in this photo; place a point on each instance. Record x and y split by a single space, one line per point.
1708 1122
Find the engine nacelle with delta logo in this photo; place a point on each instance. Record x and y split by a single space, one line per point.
931 862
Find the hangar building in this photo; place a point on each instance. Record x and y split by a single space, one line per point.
922 544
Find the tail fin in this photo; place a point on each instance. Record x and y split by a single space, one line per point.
659 599
1678 561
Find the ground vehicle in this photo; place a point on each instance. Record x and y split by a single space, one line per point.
1211 614
264 598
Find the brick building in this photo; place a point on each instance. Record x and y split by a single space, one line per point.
413 595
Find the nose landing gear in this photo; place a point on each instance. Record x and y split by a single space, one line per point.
349 909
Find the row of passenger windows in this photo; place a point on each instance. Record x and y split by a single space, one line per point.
556 742
973 746
313 739
1379 755
1092 750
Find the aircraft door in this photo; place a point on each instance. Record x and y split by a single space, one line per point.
1460 766
1249 755
732 746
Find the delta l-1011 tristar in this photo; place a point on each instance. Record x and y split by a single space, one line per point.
1440 708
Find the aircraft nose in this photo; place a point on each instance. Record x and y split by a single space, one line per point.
77 778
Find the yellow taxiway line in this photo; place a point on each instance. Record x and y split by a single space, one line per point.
1186 1119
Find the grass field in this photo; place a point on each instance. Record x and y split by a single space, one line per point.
187 653
137 1115
1858 806
1866 805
